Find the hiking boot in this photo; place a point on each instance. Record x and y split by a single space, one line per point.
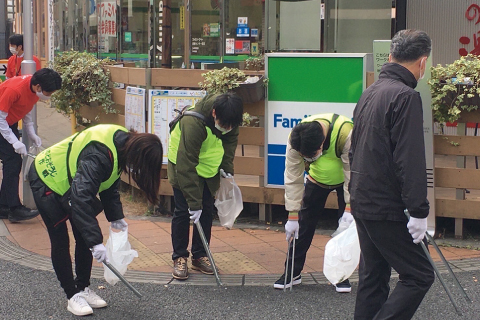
21 213
280 283
93 299
343 287
180 268
203 265
78 305
4 212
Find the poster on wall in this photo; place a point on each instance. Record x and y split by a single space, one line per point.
230 46
107 24
135 109
161 110
242 46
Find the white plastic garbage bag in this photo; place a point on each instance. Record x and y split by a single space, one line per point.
342 255
228 201
119 253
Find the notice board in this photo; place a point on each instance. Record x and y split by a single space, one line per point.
135 109
161 110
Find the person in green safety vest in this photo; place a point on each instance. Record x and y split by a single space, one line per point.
200 150
320 145
65 180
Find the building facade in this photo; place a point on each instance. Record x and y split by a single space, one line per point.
177 33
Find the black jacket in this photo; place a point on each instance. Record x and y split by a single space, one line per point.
387 156
80 202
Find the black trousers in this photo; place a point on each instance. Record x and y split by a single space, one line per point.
386 245
49 205
12 165
181 225
313 205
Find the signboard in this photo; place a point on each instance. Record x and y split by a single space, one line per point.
3 69
107 24
128 36
301 85
182 17
254 50
135 109
242 46
161 110
254 33
381 50
229 46
243 32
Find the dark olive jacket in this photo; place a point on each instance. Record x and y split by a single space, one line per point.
183 175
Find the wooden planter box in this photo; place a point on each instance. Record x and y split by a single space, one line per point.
465 116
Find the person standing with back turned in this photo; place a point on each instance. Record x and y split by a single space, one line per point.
388 175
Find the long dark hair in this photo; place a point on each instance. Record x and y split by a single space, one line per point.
141 158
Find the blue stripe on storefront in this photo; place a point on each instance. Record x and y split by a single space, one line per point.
276 168
280 149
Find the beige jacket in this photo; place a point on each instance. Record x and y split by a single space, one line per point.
295 168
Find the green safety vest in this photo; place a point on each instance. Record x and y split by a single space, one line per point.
328 169
57 165
211 152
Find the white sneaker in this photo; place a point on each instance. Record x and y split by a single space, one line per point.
93 299
78 305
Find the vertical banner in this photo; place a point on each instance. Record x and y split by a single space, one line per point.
107 25
50 31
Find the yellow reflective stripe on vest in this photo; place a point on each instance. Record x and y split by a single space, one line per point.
51 164
210 156
328 169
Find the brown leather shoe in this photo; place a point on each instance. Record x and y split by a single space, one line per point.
180 268
203 265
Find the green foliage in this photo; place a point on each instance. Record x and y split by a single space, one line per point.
453 87
255 63
85 80
223 80
247 119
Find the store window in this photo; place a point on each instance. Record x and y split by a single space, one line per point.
133 28
205 31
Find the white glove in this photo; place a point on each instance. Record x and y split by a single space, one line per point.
99 252
37 141
291 229
195 215
346 218
119 225
20 148
417 228
225 175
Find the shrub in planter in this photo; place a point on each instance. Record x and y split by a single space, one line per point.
455 88
85 81
232 79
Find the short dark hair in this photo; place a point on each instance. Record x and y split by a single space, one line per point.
48 79
16 40
307 138
409 45
141 158
228 109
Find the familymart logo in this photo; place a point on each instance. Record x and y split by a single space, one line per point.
280 121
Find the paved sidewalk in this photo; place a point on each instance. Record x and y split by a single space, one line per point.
245 255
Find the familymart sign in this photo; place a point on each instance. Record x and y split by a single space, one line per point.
301 85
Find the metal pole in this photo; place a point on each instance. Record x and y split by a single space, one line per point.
115 271
28 67
209 253
425 250
293 261
286 267
430 238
